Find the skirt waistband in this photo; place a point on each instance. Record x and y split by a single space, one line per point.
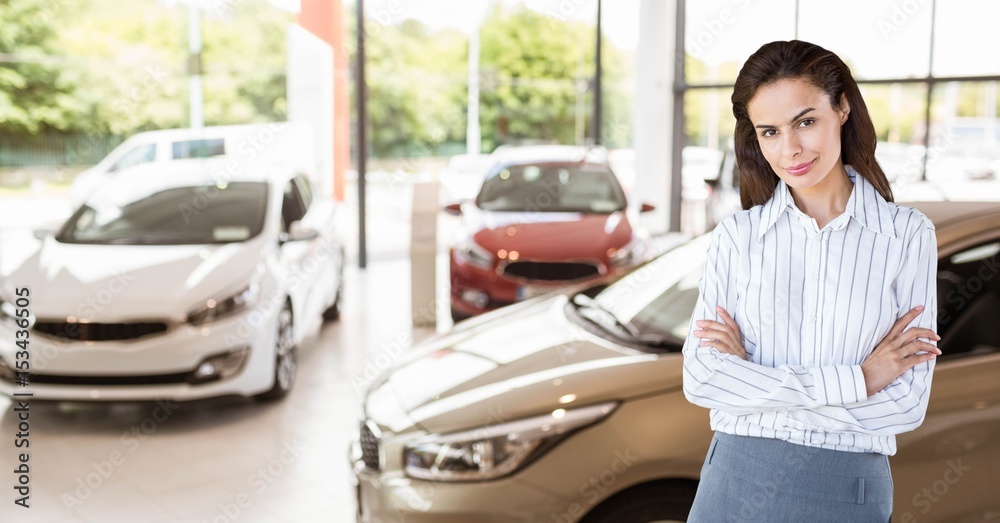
812 459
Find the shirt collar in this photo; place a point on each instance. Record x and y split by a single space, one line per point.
865 205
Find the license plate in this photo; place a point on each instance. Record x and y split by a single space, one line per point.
525 292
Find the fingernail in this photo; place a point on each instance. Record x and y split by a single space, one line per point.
919 307
718 308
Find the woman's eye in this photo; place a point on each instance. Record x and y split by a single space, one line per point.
768 133
807 122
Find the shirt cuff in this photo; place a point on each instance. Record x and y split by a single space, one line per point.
840 384
860 385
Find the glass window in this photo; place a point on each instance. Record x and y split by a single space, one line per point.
174 216
709 120
966 38
719 35
305 187
964 145
292 208
552 187
898 112
658 298
199 148
968 303
136 156
889 40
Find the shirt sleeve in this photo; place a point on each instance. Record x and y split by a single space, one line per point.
726 382
901 406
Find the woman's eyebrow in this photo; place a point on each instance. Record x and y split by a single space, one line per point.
796 117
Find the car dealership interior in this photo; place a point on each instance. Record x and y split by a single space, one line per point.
435 261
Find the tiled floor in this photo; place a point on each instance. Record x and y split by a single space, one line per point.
218 460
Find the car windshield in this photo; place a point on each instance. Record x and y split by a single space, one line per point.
200 214
552 187
656 300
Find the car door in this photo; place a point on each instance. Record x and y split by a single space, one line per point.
296 256
323 270
949 468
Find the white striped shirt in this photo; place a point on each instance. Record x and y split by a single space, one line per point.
811 305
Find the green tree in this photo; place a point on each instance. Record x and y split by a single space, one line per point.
35 95
538 84
416 88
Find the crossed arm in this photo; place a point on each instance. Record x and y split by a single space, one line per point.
885 395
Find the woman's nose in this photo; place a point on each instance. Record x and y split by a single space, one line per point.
791 147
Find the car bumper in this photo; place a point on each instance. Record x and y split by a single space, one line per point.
153 367
385 498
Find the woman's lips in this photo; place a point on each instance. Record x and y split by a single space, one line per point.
800 169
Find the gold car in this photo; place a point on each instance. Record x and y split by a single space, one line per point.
568 407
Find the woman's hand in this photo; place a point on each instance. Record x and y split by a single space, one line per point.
723 336
897 352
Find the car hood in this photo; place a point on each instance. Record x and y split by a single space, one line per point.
521 364
540 235
109 283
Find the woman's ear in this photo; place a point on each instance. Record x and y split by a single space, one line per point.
844 109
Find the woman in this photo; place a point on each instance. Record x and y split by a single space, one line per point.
813 337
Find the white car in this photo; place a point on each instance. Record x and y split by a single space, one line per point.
179 281
248 143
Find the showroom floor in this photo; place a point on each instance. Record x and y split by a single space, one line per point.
217 460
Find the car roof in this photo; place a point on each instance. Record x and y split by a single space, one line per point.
220 170
960 224
944 214
218 131
230 167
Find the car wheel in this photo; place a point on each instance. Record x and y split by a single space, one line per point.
333 312
657 502
285 361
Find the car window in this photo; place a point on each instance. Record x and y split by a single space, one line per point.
136 156
305 188
190 215
658 297
969 301
292 207
550 187
206 148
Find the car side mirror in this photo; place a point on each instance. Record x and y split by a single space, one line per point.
454 208
41 234
646 207
298 232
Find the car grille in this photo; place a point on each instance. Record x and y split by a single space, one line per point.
112 381
551 271
99 331
369 448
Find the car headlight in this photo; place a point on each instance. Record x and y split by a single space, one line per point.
471 252
633 253
495 451
214 310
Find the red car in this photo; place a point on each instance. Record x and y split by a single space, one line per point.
544 217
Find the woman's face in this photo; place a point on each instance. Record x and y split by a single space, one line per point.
798 130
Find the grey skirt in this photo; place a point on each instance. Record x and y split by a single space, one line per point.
746 478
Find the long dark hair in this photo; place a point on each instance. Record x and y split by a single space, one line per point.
797 59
